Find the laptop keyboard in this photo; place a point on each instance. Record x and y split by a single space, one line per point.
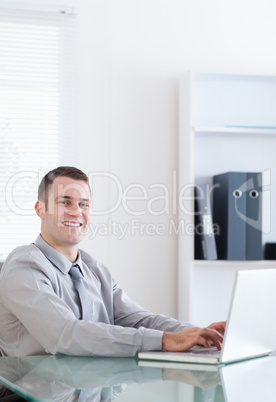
213 351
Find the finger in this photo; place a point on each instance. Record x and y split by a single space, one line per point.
213 336
219 333
212 332
218 326
204 342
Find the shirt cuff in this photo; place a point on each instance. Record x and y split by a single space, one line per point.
152 340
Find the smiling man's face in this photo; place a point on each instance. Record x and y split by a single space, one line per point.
65 221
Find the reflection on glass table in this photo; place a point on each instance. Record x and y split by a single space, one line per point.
65 378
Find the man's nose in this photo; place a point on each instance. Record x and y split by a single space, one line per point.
74 209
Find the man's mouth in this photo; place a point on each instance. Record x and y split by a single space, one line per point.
72 224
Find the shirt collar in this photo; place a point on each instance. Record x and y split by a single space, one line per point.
55 257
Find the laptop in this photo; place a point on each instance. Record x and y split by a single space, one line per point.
251 326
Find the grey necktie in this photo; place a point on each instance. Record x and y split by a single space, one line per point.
77 279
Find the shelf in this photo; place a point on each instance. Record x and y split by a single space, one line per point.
235 130
227 123
246 264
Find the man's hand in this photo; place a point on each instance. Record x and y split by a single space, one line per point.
218 326
183 340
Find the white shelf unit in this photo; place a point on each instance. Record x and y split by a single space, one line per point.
227 123
234 130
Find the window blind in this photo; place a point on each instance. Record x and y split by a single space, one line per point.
37 113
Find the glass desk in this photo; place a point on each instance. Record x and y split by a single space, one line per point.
66 378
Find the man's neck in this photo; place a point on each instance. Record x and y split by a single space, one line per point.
70 252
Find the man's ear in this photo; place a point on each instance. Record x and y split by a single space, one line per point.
40 209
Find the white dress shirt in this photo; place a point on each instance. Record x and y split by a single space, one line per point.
40 309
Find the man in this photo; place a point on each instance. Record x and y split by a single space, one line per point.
41 310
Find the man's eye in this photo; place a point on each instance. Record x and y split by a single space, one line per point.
62 202
84 205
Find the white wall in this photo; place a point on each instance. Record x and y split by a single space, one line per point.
131 56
